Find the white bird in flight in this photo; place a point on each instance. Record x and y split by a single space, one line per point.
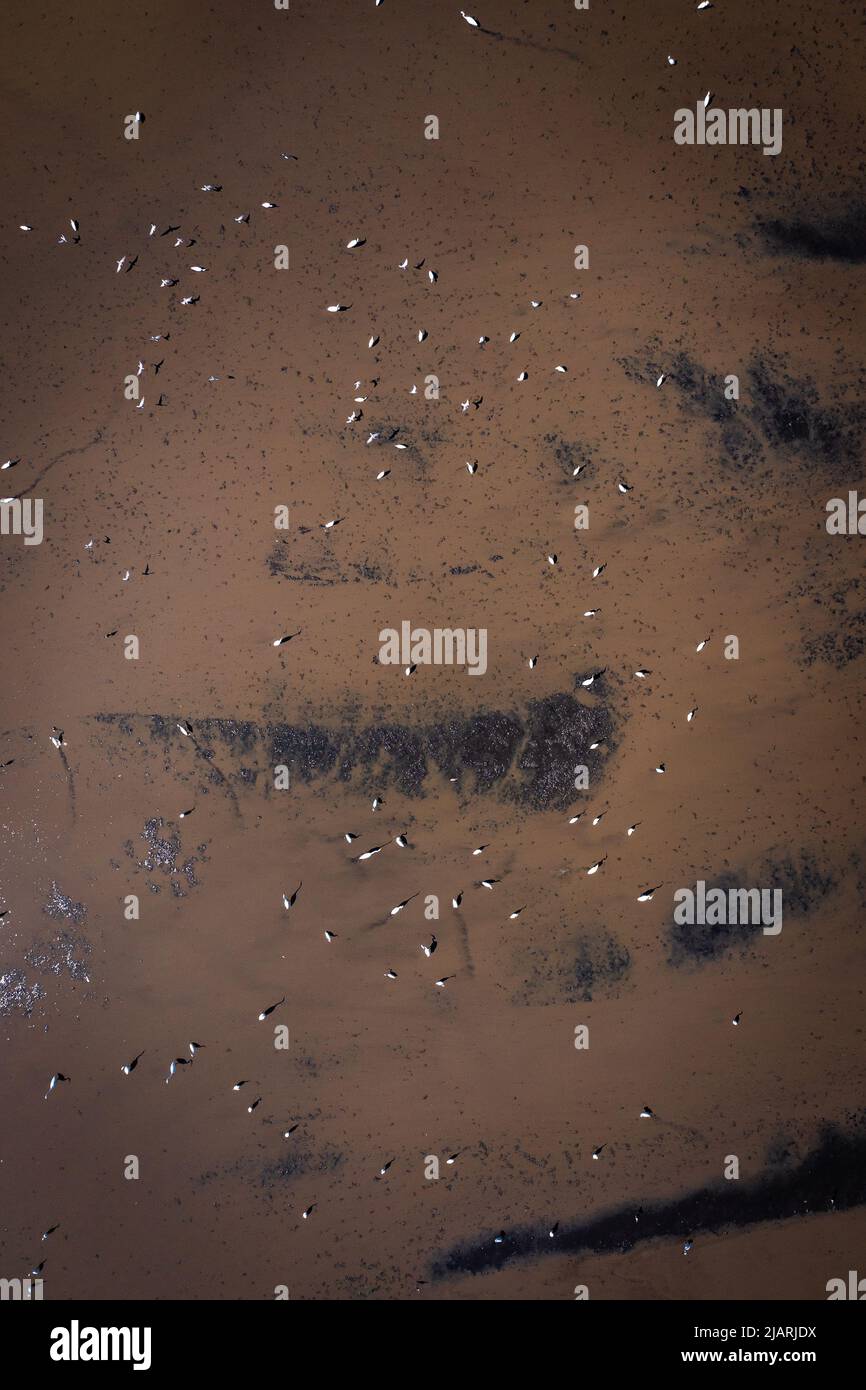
400 906
368 853
647 895
290 902
270 1009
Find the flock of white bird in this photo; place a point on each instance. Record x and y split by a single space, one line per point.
127 263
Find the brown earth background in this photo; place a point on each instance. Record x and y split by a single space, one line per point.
556 129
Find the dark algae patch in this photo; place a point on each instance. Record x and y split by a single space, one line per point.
837 649
530 759
791 416
698 943
704 391
803 885
590 965
271 1179
559 731
323 571
775 410
601 963
567 455
482 747
831 1177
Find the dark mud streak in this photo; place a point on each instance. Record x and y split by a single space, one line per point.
838 238
217 775
70 782
549 50
832 1177
465 947
58 458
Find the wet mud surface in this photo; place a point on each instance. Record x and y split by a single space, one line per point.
162 888
827 1179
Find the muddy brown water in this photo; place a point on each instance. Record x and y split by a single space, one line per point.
554 130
